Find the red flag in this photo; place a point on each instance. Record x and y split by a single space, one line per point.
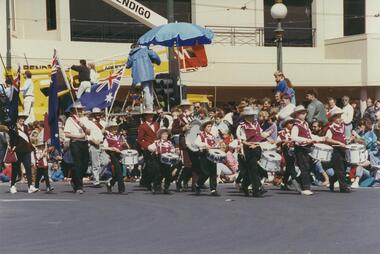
46 128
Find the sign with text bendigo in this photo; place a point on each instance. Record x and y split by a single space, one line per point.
139 12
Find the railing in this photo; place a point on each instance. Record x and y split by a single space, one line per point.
260 36
106 31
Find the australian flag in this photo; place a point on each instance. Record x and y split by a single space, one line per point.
14 97
103 94
53 109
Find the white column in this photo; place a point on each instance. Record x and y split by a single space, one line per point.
63 20
3 37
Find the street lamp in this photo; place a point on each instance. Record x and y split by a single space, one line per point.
279 12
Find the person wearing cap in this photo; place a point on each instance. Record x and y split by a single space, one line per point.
181 125
95 139
114 144
42 166
146 135
76 131
28 94
162 171
21 144
250 134
303 138
284 140
335 136
206 141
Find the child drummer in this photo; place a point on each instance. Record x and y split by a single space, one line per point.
114 144
303 139
161 170
206 141
335 136
287 146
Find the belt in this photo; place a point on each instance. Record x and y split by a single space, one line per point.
28 96
347 124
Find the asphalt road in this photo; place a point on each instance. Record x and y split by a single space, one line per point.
142 223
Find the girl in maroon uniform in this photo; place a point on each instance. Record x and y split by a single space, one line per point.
206 141
335 135
162 171
114 144
303 138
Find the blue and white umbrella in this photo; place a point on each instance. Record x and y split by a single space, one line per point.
177 35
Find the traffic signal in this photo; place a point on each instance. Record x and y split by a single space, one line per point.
168 88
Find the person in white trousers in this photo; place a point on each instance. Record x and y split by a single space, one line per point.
28 95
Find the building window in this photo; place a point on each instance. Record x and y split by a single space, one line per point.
112 25
51 15
297 24
354 17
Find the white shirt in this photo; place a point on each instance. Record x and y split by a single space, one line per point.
348 114
299 140
72 127
28 88
96 133
286 111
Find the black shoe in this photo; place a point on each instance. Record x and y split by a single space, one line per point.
347 190
245 191
167 192
185 187
123 192
258 194
331 187
178 186
197 190
262 190
284 187
214 193
97 186
49 189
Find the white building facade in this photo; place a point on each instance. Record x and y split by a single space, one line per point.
337 50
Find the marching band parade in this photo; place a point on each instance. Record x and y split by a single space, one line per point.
253 144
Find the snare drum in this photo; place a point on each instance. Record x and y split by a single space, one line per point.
356 154
169 159
129 157
321 152
268 147
270 161
216 155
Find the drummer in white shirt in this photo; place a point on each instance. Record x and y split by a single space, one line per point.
77 132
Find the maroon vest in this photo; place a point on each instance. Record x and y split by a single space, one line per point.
115 141
338 132
208 139
252 131
163 147
303 129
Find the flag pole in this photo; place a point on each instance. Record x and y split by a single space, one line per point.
117 90
65 79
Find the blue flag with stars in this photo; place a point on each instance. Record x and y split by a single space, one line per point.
102 94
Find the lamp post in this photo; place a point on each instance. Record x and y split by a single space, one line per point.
279 12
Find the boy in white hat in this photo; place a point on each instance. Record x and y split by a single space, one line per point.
250 134
162 146
336 136
114 144
303 138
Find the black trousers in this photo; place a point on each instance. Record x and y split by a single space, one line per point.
162 172
242 168
304 162
80 154
188 173
147 171
290 169
26 160
252 156
338 161
117 173
208 170
42 172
